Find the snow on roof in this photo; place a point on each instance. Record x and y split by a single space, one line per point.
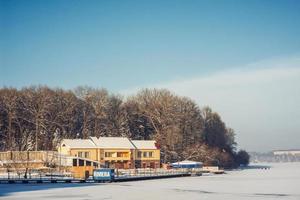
144 144
113 142
109 142
186 162
78 143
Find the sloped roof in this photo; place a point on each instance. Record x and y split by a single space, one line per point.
144 144
78 143
187 162
113 142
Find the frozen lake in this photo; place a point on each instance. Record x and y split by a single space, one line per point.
282 181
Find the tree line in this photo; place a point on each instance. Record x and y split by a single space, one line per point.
38 117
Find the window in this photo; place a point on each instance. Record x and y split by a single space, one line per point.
81 162
145 154
139 154
83 154
122 154
74 162
108 154
88 163
150 154
86 154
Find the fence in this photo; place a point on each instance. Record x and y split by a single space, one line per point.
33 158
34 174
144 172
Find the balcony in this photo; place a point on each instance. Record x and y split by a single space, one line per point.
117 156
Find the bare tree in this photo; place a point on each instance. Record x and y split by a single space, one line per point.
38 101
37 118
9 105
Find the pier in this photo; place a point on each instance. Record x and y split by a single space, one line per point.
108 175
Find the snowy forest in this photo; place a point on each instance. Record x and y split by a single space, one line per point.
37 118
259 157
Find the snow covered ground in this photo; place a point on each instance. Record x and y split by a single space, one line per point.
282 181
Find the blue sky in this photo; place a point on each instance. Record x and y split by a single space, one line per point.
120 44
127 45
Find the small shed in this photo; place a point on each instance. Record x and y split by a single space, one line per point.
187 164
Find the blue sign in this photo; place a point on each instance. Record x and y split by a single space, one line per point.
104 174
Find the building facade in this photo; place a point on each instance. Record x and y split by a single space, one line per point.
147 154
114 152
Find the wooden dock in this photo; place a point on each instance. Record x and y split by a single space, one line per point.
119 179
38 181
73 180
119 176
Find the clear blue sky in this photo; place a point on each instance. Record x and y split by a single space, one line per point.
242 58
123 44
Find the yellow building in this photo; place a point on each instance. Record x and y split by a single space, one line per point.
82 156
147 154
114 152
83 148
